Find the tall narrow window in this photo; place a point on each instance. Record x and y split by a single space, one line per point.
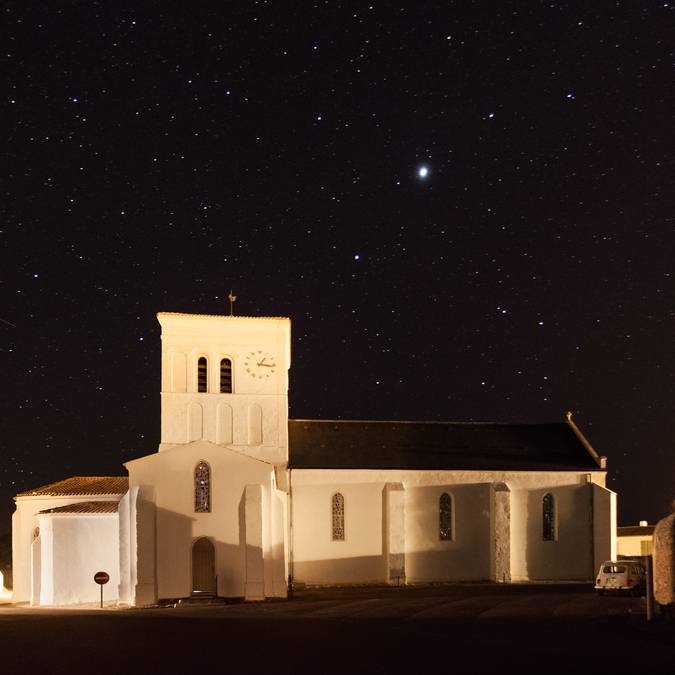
445 517
202 488
225 376
202 374
338 505
548 513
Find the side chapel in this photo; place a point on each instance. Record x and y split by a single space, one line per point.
240 501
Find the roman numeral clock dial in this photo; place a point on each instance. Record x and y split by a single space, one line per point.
260 365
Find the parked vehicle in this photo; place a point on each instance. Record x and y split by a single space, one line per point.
626 576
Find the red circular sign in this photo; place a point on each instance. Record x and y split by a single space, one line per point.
101 578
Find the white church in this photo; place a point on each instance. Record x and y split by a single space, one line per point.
241 502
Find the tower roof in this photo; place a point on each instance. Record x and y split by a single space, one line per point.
227 317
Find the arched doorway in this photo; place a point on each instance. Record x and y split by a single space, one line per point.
203 567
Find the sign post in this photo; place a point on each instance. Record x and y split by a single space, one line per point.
101 578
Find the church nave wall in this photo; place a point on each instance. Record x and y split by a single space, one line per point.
492 529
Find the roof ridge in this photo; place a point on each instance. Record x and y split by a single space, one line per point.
501 424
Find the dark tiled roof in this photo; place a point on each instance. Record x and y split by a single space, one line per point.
635 530
331 444
86 507
81 485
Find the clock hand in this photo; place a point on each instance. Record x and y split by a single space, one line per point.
267 365
262 363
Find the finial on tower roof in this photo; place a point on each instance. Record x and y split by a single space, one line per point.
231 297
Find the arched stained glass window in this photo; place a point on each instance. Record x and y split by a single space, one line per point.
338 506
202 374
225 376
445 517
548 513
202 488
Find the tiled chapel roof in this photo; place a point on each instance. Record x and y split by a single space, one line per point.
85 507
352 444
81 485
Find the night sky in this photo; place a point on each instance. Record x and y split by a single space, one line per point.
466 209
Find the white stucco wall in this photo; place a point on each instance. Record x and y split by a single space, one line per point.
467 556
570 555
24 522
471 555
272 443
166 484
604 525
317 559
74 547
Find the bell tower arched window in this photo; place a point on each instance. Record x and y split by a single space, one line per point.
338 508
548 517
225 376
445 517
202 488
202 374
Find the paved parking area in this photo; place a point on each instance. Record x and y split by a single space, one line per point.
470 601
481 628
475 601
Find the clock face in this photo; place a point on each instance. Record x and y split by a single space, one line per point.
260 364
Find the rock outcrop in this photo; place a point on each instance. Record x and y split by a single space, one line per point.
664 561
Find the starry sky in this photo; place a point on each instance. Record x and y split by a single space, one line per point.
466 209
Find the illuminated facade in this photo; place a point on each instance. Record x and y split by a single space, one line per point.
240 501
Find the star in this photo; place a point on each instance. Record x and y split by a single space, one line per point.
423 172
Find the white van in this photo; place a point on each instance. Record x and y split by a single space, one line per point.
621 575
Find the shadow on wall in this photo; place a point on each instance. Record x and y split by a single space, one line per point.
569 556
176 536
463 557
341 571
372 570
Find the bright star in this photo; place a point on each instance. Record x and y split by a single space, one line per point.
423 171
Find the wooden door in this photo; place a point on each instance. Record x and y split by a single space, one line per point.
203 567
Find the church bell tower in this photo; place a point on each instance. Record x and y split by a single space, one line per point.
225 380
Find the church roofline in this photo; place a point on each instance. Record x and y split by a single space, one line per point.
453 446
600 460
439 422
173 447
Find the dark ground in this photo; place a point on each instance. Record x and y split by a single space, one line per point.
479 628
6 558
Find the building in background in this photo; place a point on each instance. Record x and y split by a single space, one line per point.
634 541
238 501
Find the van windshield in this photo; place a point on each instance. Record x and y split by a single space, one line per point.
613 569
